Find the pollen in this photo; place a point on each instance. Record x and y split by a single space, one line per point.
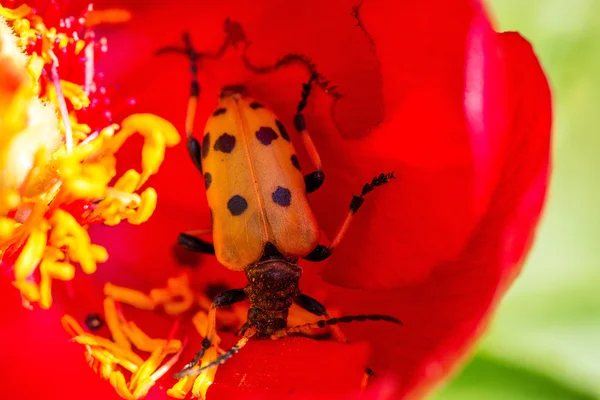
55 170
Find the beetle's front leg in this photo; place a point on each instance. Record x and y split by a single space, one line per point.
226 298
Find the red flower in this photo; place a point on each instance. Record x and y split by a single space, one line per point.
426 89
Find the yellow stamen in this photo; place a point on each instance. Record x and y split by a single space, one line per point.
106 370
200 321
157 133
32 253
35 68
29 290
128 182
74 93
71 326
53 254
67 232
114 325
113 348
177 297
45 290
58 270
199 384
182 387
117 380
145 208
141 381
144 342
12 14
105 357
107 16
132 297
206 377
109 359
80 45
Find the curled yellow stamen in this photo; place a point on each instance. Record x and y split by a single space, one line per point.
32 253
75 93
29 290
112 347
114 325
144 342
132 297
182 387
145 208
12 14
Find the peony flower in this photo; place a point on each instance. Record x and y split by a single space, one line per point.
429 90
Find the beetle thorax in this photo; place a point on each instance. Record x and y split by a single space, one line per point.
272 287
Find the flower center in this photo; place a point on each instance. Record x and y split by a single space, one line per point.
119 361
56 173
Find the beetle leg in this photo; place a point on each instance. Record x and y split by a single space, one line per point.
190 241
193 146
313 306
315 179
321 252
226 298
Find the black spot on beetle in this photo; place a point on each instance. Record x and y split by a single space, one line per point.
282 130
237 205
225 143
207 180
205 145
295 162
266 135
282 196
255 106
219 111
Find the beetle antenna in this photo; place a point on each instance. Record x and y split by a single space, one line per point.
339 320
196 370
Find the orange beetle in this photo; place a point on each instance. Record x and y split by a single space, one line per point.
262 219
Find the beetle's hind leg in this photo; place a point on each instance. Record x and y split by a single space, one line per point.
315 179
189 241
313 306
321 252
193 146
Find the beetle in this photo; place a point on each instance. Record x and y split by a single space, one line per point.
262 220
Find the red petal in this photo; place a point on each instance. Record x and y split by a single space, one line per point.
38 357
446 67
444 314
292 368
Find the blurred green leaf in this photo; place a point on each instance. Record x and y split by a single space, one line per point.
492 379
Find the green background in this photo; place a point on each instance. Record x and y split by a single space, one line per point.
544 342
